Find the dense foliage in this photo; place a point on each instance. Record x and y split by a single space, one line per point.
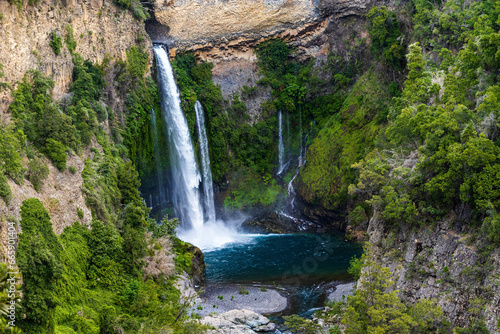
104 279
376 308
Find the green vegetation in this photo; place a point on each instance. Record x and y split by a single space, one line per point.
349 134
5 191
11 144
301 325
92 281
385 35
373 310
55 42
38 244
135 6
37 172
69 39
83 284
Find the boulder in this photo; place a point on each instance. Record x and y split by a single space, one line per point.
239 322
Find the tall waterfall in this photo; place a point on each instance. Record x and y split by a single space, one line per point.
281 145
208 188
185 175
161 181
300 137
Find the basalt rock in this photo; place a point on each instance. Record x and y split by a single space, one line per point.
442 264
198 265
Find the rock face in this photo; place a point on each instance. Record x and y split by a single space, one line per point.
233 76
197 265
100 29
441 264
220 30
191 21
239 322
61 194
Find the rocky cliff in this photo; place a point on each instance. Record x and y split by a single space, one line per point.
101 30
228 30
445 265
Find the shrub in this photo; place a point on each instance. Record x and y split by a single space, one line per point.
11 145
5 191
355 266
37 172
301 325
55 43
72 169
357 216
79 211
167 227
56 152
69 39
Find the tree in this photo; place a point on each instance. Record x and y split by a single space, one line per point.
385 36
56 151
374 309
128 182
105 245
38 261
37 172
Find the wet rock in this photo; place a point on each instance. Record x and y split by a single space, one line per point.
278 222
198 265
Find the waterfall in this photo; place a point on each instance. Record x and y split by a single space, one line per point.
185 175
300 137
208 189
281 146
288 141
161 182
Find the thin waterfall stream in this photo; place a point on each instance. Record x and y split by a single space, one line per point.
281 145
208 188
161 181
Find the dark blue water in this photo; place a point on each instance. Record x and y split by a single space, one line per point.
303 264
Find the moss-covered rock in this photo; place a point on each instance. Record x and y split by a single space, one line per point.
345 139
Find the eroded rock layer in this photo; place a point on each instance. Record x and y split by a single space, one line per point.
100 29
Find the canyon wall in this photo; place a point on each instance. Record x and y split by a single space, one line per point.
101 30
227 30
442 264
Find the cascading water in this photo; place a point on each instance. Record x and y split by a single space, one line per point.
300 137
208 189
161 182
185 175
281 145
